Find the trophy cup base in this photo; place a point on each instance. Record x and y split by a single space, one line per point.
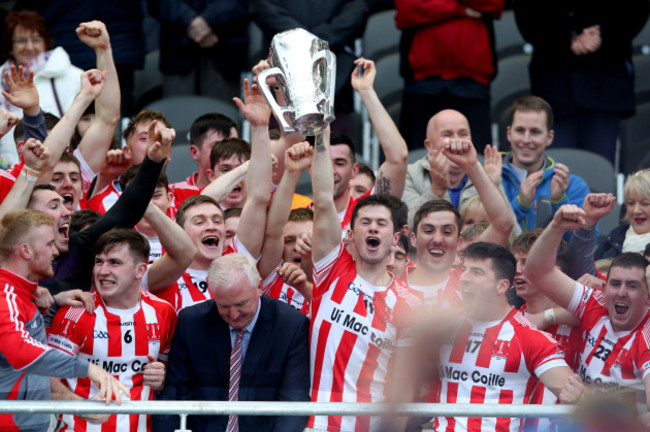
309 124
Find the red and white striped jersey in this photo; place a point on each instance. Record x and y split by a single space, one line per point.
354 328
446 292
569 339
104 199
192 286
275 287
609 360
119 341
107 197
497 362
183 190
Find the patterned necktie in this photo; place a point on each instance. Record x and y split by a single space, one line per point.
235 373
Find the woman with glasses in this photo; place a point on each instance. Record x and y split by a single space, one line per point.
28 43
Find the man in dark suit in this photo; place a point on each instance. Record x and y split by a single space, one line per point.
240 326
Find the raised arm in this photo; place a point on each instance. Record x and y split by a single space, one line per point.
219 188
258 178
97 140
392 173
540 266
179 250
92 83
132 204
297 159
35 154
500 216
596 206
22 92
327 227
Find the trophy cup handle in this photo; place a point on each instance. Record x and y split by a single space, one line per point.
278 111
330 83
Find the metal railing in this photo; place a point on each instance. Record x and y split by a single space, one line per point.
185 408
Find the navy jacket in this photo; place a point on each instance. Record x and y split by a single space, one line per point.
276 366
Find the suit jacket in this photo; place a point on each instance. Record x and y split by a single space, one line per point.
276 366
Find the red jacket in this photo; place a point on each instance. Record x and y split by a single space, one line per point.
447 43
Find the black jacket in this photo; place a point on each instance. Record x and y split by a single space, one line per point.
599 81
276 366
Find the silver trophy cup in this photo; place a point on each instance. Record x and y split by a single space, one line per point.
305 70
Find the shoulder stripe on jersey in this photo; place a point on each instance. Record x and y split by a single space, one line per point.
74 313
598 296
521 319
646 333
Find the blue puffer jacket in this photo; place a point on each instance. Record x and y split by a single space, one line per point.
575 193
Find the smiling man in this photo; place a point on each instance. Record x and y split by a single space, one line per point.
527 172
615 353
128 333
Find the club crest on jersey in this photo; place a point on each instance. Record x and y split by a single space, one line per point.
620 358
501 348
153 332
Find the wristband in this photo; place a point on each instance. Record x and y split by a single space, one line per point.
549 315
30 174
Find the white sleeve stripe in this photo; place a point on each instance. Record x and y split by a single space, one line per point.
575 300
548 364
323 267
19 326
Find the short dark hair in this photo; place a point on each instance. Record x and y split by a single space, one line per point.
629 260
36 189
524 242
193 201
400 209
433 206
30 21
229 147
404 243
375 200
338 138
504 264
532 103
365 169
137 243
50 121
69 157
144 116
82 219
131 172
231 212
210 121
